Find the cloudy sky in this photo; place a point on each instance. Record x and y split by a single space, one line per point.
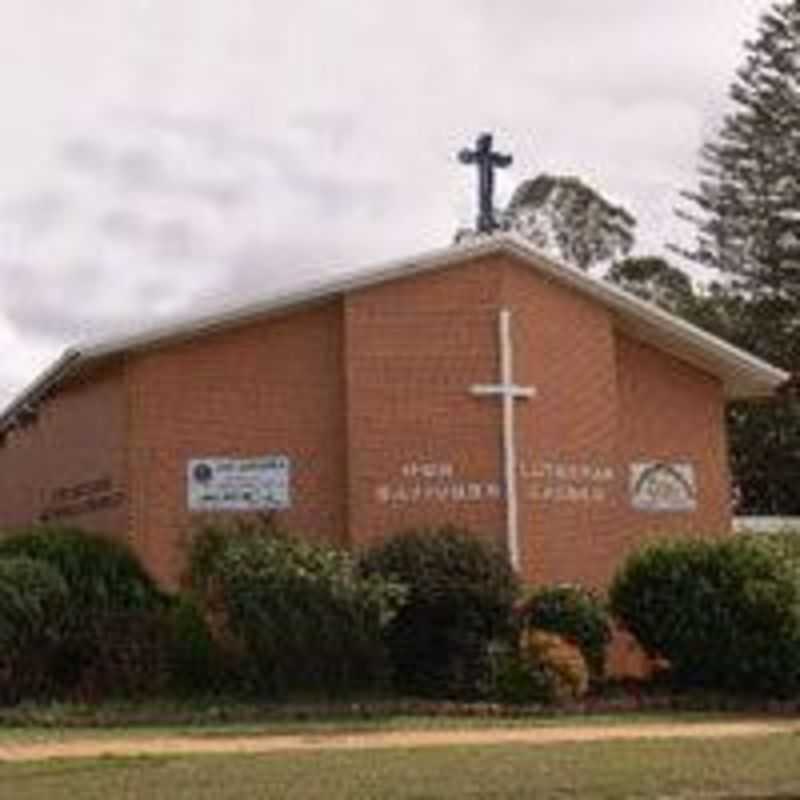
158 156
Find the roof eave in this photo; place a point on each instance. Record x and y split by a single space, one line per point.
39 386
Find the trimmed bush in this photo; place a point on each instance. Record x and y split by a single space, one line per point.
517 680
305 620
460 597
724 614
107 640
33 602
575 613
197 662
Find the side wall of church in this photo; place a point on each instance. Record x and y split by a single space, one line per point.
270 387
672 412
606 404
69 464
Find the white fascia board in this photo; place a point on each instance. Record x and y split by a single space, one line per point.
684 335
312 292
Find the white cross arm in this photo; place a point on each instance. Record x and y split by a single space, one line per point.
486 390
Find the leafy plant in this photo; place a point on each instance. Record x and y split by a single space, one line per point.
724 614
307 621
100 640
33 603
460 597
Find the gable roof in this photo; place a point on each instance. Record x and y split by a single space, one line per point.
742 374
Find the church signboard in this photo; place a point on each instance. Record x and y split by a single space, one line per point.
238 484
660 486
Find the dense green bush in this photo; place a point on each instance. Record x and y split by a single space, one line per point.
107 640
306 620
33 602
724 614
516 679
197 661
575 613
101 572
460 597
785 544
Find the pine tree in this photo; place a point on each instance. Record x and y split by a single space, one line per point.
749 194
747 216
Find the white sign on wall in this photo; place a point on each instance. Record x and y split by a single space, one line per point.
238 484
662 486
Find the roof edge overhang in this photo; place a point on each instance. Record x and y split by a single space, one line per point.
742 374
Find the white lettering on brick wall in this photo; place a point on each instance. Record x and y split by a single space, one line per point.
545 481
576 482
435 482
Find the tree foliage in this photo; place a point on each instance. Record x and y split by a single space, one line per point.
724 614
655 280
302 616
570 220
746 212
460 594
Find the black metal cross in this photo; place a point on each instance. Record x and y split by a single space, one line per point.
487 162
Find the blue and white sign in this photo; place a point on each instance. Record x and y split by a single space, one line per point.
238 484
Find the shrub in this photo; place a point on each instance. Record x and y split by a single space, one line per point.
784 544
543 667
105 641
307 621
518 680
460 594
725 614
197 661
562 660
33 603
576 614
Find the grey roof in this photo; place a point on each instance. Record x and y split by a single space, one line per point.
743 375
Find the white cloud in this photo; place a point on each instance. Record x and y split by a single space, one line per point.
155 153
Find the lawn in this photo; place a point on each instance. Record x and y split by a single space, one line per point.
743 768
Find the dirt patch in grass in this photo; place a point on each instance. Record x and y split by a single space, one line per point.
157 745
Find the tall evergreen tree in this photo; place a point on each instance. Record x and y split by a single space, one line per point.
746 210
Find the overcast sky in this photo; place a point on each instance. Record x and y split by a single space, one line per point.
158 155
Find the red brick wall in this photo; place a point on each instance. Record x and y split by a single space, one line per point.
71 457
370 398
269 387
672 411
567 435
414 347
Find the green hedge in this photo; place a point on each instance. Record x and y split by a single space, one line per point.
107 637
460 596
306 621
724 614
33 603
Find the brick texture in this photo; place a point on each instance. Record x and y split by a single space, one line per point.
369 396
73 455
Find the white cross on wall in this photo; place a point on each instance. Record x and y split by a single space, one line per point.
508 391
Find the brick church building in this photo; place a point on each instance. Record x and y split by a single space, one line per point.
482 384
